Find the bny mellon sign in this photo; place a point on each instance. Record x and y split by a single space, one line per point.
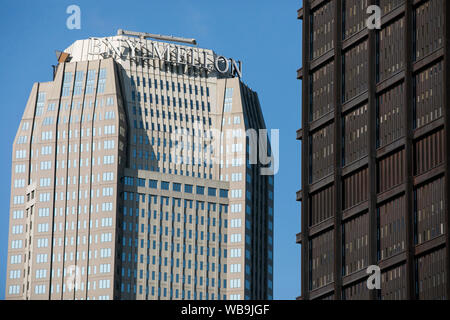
139 51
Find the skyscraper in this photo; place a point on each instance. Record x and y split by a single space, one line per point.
375 140
132 177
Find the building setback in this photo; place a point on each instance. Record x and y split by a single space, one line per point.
131 178
375 141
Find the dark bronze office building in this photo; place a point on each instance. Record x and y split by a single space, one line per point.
375 140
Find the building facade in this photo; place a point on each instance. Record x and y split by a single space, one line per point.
375 141
132 179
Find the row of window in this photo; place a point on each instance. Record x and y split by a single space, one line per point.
175 247
157 126
175 293
163 100
176 115
79 80
134 227
177 278
165 185
48 135
178 86
41 288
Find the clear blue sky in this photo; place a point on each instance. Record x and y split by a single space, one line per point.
264 34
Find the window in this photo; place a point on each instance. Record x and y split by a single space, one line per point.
223 193
44 197
200 190
41 274
165 185
176 187
17 214
188 188
21 140
108 176
18 199
235 268
43 227
235 253
25 126
44 212
128 181
106 237
153 184
46 150
67 83
236 237
47 135
20 168
19 183
16 244
44 182
108 191
78 89
101 81
228 99
212 192
236 223
235 283
236 193
110 129
21 154
16 259
104 284
107 206
108 144
18 229
47 121
108 159
110 115
90 82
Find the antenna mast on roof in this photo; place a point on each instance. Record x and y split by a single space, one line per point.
144 35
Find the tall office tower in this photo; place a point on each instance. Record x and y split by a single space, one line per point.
132 178
375 141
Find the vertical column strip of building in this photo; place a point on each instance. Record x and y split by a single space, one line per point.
185 231
208 247
91 155
447 138
63 66
408 111
220 243
65 243
197 288
78 207
221 127
304 171
30 146
120 92
28 250
172 244
337 151
159 245
372 139
148 244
